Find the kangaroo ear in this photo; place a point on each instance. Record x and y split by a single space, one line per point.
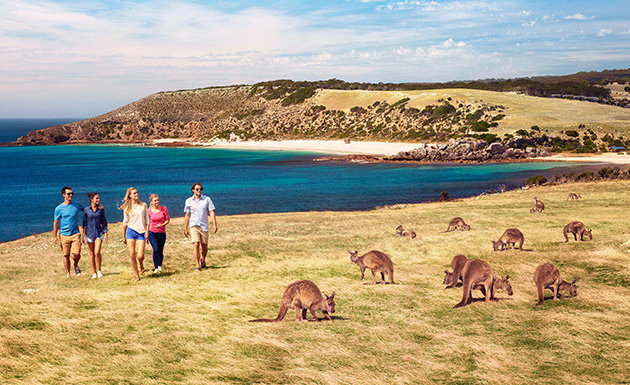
332 295
507 277
574 281
447 272
324 294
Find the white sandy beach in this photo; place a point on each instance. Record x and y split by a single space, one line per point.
374 148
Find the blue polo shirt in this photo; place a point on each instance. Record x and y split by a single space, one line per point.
199 210
68 217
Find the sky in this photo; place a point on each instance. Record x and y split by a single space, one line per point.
67 58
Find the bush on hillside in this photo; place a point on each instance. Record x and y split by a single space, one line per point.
536 180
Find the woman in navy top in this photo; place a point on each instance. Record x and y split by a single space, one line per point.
94 231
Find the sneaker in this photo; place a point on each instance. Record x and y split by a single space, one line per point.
198 268
99 274
155 271
160 268
67 275
203 264
94 276
77 270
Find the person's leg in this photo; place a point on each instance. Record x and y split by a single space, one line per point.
161 242
141 246
131 246
98 244
204 252
76 252
153 240
91 250
196 253
66 263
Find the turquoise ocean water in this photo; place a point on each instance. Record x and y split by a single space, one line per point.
237 181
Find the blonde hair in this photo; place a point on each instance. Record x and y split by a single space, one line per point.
127 203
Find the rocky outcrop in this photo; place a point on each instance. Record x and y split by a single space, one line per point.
469 151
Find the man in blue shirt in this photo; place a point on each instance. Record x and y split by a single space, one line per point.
66 224
198 208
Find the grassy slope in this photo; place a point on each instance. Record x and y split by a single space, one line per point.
522 111
191 327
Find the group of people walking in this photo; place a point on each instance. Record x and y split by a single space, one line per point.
141 223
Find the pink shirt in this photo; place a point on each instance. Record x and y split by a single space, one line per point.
157 219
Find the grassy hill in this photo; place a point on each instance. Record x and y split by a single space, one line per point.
191 327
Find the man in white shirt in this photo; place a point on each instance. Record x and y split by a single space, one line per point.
198 208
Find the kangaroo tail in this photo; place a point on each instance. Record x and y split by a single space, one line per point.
280 317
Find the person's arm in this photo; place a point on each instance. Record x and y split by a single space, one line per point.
214 221
55 231
104 224
83 227
167 219
186 221
124 228
147 222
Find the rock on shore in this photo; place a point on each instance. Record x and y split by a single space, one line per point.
470 151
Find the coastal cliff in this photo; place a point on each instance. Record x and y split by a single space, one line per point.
285 110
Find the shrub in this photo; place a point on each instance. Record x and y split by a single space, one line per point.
572 133
536 180
299 96
535 128
522 132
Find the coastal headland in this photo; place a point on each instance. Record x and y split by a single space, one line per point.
182 325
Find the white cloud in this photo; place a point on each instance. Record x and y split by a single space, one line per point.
604 32
451 43
529 24
525 13
578 16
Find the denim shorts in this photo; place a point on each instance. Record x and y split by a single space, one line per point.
133 234
90 240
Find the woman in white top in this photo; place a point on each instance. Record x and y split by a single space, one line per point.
135 228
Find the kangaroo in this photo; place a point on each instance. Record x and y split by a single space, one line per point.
458 224
477 274
457 264
509 239
303 295
577 228
377 262
405 233
547 276
539 206
573 196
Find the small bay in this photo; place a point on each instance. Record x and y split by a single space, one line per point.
239 181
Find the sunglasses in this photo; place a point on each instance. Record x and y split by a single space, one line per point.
69 194
198 189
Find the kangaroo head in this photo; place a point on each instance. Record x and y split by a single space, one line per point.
467 227
399 229
448 278
589 234
330 302
496 245
354 255
504 284
573 288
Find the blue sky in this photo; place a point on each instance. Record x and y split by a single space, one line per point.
84 58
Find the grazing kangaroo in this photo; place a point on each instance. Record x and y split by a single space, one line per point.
302 296
458 224
539 206
477 274
573 196
377 262
457 264
405 233
509 239
577 228
547 276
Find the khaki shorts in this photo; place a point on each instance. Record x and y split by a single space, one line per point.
70 244
197 234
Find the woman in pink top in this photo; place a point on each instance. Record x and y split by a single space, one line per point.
159 218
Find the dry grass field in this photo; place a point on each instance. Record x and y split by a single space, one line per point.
521 111
189 327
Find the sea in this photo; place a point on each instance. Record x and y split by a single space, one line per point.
238 181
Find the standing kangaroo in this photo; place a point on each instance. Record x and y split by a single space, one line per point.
458 224
577 228
302 296
405 233
509 239
573 196
457 264
547 276
377 262
539 206
477 274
